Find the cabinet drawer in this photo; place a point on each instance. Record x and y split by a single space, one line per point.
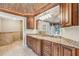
67 51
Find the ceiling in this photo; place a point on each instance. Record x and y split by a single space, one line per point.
25 8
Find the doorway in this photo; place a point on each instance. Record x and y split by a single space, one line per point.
11 28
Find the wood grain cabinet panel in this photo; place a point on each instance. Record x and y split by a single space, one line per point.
66 14
77 52
37 46
55 49
30 22
46 48
29 41
67 51
75 14
34 44
69 14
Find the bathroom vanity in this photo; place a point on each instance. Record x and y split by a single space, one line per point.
67 44
52 46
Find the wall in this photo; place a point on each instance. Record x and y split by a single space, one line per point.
10 25
10 28
10 31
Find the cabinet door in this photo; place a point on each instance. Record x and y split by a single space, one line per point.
30 22
77 51
55 49
75 14
66 14
38 46
67 51
46 48
34 44
69 14
29 41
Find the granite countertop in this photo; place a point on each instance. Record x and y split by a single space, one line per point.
60 40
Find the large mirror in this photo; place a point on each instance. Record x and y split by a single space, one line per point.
48 19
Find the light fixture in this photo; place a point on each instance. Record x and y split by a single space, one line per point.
47 16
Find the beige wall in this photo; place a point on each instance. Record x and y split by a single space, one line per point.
10 25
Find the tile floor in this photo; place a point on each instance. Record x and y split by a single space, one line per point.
16 49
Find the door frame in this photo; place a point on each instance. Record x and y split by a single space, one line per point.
16 17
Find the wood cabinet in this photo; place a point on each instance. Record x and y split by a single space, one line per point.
30 22
46 48
75 14
34 44
66 14
77 52
29 41
38 46
55 49
67 51
69 14
78 13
